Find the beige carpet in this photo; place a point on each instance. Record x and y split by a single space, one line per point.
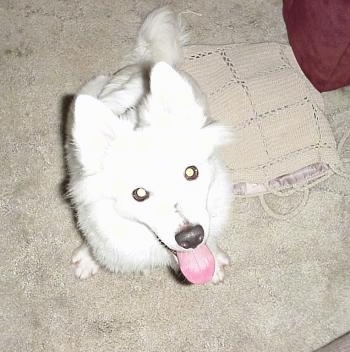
288 289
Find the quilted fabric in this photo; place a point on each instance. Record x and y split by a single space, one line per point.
283 140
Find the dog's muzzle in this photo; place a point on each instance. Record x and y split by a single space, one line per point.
196 261
190 237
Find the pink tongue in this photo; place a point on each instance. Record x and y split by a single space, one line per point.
197 265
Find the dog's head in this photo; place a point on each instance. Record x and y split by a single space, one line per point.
158 172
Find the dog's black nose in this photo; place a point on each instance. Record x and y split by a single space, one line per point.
190 237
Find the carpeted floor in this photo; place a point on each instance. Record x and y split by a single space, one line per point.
288 288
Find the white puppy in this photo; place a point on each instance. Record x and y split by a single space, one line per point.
146 185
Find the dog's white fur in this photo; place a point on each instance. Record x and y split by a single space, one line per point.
141 128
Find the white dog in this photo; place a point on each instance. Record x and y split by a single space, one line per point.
146 186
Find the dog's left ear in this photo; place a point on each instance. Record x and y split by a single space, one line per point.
168 87
213 136
172 100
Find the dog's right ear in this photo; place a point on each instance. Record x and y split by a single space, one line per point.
94 129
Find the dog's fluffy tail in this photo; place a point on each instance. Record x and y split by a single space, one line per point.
161 38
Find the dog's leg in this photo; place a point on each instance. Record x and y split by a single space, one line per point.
84 265
221 260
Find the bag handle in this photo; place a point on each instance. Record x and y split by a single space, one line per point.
291 213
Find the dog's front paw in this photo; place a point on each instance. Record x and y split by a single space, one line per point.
84 265
221 260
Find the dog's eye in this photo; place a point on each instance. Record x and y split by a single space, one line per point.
140 194
191 173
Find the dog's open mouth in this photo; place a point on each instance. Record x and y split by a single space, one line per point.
197 265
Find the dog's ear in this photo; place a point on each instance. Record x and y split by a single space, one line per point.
214 135
171 100
94 128
168 87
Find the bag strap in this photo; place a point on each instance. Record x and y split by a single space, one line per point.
289 214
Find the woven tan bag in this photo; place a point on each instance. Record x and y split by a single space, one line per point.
283 141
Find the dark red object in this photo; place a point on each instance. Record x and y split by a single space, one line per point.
319 33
